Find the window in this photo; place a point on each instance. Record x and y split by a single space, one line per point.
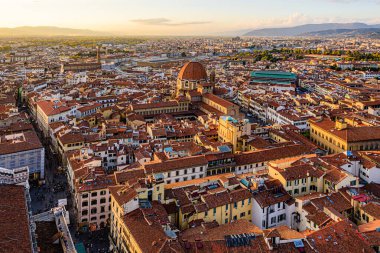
185 179
102 209
278 205
288 183
303 189
84 212
94 202
214 211
304 180
242 203
227 207
242 214
249 212
264 223
296 191
93 218
235 217
185 172
206 213
235 205
290 192
85 203
353 183
226 220
102 217
94 194
272 220
281 217
103 192
177 173
296 182
93 210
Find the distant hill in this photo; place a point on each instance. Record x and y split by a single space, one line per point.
38 31
305 29
368 32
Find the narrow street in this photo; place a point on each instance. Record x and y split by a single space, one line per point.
46 196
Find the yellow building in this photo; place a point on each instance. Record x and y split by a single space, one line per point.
310 175
298 180
369 212
69 142
220 207
91 120
215 198
232 130
337 137
125 207
335 179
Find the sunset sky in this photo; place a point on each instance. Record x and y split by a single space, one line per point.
183 17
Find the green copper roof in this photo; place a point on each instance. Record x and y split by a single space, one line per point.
273 74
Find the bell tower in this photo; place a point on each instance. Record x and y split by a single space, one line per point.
98 54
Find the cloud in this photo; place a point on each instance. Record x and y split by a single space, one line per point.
167 22
291 20
352 1
300 19
377 2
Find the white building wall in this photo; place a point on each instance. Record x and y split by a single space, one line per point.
374 175
185 174
131 205
250 168
370 175
353 168
34 159
268 217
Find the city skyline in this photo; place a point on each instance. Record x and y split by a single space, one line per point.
175 126
169 17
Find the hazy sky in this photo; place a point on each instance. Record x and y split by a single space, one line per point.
183 17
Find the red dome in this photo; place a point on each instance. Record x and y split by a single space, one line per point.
193 71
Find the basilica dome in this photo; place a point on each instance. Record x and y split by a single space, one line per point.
193 71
